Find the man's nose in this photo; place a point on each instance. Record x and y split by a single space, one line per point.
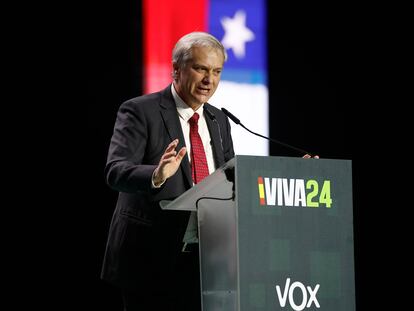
207 77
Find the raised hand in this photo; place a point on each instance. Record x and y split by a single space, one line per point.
169 163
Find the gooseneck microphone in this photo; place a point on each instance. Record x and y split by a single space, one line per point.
237 121
213 118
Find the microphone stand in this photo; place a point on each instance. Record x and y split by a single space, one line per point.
237 121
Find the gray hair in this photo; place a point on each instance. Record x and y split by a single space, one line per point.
181 53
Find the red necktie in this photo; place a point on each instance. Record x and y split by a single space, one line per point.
199 168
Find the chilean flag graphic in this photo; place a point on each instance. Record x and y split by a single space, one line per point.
241 27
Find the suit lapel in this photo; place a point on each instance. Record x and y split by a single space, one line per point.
173 126
215 140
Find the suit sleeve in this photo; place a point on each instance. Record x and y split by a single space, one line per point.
124 170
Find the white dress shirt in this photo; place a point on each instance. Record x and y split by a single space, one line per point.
185 113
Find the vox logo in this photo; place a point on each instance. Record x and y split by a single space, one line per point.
294 192
298 295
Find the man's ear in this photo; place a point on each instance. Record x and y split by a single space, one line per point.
175 71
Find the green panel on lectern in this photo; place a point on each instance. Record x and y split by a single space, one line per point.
294 234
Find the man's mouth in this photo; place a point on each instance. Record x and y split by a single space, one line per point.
203 90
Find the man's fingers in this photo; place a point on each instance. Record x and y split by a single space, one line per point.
172 145
308 156
169 155
181 153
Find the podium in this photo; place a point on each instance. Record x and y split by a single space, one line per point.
275 233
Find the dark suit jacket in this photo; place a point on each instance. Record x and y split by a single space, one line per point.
143 239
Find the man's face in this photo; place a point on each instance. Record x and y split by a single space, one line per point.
198 80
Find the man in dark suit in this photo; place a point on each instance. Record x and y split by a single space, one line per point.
149 254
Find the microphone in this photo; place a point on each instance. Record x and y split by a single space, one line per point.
237 121
213 118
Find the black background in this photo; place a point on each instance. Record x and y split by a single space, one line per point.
85 60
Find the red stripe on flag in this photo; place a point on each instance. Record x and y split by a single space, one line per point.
164 22
261 190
